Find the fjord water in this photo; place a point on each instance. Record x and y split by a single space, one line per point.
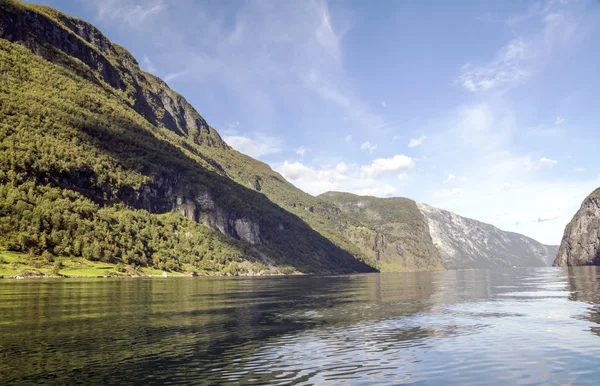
519 326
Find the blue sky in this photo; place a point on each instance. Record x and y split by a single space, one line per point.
488 109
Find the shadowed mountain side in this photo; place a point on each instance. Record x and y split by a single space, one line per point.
86 145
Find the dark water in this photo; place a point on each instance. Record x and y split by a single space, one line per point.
521 326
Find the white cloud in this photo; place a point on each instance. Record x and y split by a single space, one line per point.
580 170
341 167
301 151
319 180
383 104
395 138
449 177
148 65
131 12
414 142
257 146
367 146
380 191
403 176
173 75
348 138
546 163
559 121
384 165
508 67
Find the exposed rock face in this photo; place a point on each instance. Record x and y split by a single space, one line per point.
390 231
466 243
581 242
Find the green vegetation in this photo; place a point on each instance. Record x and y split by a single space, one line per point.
101 161
20 264
391 231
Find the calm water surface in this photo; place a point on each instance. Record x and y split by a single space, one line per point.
521 326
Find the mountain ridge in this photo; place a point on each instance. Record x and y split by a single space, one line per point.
467 243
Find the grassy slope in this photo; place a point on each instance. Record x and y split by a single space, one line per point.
20 264
390 230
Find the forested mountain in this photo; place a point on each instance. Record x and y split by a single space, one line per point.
391 231
102 160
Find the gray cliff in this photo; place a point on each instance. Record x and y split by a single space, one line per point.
465 243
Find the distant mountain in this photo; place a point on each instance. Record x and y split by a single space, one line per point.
390 231
466 243
581 241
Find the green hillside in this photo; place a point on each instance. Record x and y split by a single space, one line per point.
102 161
390 231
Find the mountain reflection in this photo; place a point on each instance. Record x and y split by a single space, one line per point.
584 286
447 327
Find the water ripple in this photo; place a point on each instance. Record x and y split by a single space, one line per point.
520 326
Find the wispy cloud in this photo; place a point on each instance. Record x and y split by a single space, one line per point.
546 163
173 75
148 65
301 151
348 138
507 68
414 142
256 146
383 104
131 12
230 128
368 146
520 58
559 121
379 191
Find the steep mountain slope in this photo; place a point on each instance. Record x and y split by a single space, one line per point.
581 242
102 160
466 243
390 231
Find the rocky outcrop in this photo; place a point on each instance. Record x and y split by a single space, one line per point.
581 241
466 243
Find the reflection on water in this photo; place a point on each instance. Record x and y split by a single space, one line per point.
526 326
